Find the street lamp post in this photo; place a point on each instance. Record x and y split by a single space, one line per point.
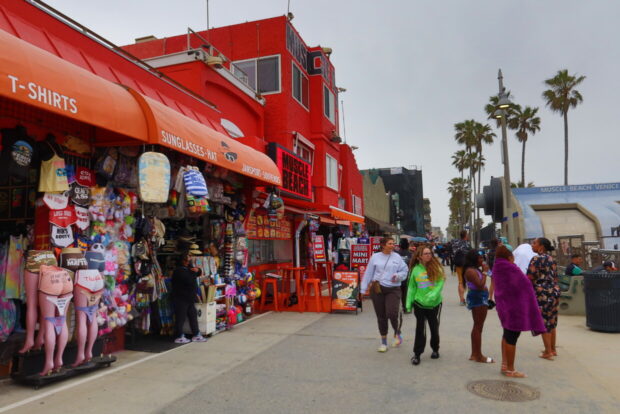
501 113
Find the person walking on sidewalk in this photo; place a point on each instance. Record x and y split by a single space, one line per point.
477 301
517 307
424 295
406 253
544 276
460 248
183 297
384 274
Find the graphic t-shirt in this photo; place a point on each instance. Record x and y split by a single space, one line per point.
18 151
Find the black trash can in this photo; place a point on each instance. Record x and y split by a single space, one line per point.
602 301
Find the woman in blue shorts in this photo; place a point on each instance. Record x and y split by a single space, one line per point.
474 272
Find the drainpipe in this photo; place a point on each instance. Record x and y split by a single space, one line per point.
300 227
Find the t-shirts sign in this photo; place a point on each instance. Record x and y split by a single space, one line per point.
360 255
319 249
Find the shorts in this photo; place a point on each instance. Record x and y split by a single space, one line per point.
477 298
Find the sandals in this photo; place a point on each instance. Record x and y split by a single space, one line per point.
514 374
488 360
546 356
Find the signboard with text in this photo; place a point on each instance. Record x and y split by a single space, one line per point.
360 255
345 291
319 249
296 172
375 244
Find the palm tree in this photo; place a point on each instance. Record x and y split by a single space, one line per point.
459 201
525 122
560 97
473 135
482 135
460 161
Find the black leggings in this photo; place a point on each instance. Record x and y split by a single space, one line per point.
511 336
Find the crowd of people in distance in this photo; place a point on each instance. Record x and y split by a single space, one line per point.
522 283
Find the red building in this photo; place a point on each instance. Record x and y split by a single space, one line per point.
278 96
270 88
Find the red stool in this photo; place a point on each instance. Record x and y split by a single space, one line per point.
274 285
316 284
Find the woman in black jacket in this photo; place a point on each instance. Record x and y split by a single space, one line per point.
183 297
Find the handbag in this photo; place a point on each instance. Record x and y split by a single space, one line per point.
375 286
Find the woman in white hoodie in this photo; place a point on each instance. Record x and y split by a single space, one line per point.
384 274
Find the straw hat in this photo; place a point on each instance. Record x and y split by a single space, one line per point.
194 250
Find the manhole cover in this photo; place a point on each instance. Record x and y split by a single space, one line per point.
503 390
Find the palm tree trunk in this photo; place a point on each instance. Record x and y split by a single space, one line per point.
566 148
523 164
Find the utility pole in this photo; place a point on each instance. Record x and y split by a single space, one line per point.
506 162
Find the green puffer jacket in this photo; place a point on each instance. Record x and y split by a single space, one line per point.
422 291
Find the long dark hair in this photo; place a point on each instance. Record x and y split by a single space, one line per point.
471 259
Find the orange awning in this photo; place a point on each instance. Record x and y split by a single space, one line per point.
345 215
174 130
36 77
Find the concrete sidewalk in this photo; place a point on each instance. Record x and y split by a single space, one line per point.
291 362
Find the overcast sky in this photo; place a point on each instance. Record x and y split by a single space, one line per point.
412 69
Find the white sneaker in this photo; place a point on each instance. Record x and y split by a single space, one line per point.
382 348
199 338
181 340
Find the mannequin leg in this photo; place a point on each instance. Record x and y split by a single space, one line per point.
61 343
31 281
93 330
81 321
48 309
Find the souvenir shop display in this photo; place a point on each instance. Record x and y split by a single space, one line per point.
108 227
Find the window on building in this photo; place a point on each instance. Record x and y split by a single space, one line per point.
262 75
329 103
331 172
300 86
357 204
304 152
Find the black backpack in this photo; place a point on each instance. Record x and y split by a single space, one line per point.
459 258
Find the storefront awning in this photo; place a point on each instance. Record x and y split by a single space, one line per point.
345 215
36 77
378 225
174 130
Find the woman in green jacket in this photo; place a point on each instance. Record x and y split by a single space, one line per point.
424 295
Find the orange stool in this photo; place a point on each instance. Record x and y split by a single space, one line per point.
316 284
274 285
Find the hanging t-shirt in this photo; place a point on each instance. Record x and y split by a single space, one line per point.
18 151
53 175
15 267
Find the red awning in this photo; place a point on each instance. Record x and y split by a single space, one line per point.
340 214
38 78
172 129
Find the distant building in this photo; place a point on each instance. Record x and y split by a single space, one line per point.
405 188
426 203
378 205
